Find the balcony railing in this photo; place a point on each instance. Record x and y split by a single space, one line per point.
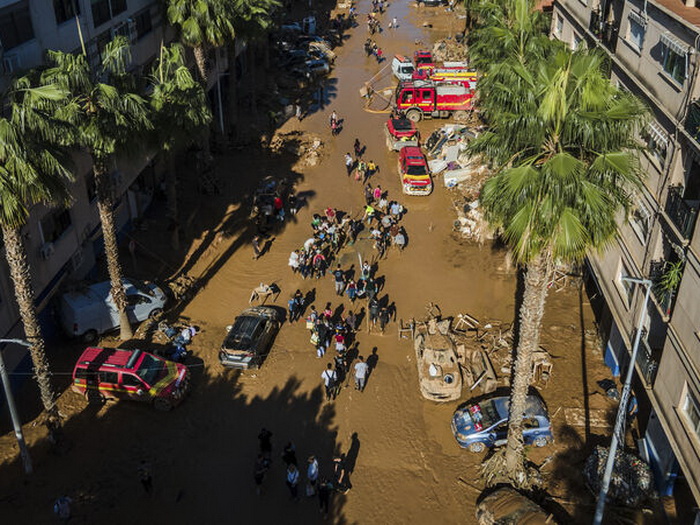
606 33
664 296
692 121
682 212
646 362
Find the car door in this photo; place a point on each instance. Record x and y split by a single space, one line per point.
138 307
133 387
109 384
426 99
499 433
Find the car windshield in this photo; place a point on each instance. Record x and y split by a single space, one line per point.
416 170
401 124
242 334
151 370
424 60
487 414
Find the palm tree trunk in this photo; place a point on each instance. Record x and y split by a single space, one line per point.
16 256
537 277
171 197
105 207
233 90
200 58
251 76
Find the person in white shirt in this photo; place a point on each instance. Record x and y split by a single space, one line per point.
360 374
294 261
330 378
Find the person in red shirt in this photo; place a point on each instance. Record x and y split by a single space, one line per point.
279 208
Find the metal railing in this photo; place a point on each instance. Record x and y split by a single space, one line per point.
683 213
646 362
664 298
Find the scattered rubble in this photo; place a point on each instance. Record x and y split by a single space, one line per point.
449 50
631 483
307 147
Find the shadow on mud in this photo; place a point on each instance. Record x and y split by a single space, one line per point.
201 454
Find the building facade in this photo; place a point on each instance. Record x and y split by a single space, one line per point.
654 51
64 244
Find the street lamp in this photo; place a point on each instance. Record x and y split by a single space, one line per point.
16 423
622 408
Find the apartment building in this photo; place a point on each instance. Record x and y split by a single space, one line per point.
63 244
654 50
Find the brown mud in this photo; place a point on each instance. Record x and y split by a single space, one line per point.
406 466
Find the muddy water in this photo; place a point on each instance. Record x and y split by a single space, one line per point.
407 467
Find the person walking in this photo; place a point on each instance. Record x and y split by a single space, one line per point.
365 271
357 147
373 310
257 250
311 475
377 193
349 163
298 304
325 488
384 317
351 290
351 321
289 454
294 261
340 481
293 481
339 280
144 471
360 374
329 377
265 441
371 290
292 307
261 467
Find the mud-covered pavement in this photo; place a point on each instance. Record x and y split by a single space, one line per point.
405 465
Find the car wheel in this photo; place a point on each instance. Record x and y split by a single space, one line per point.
540 441
414 115
89 337
160 403
477 447
155 313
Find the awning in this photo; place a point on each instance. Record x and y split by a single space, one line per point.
640 19
658 133
674 44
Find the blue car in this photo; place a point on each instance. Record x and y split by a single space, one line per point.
485 424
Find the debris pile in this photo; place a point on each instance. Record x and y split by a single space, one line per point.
183 288
449 50
631 483
305 146
447 147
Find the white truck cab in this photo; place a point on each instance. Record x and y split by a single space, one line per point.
402 68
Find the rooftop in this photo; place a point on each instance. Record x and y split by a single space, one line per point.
689 14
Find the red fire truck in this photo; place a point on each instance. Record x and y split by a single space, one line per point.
425 99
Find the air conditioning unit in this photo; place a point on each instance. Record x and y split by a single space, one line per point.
11 63
76 260
46 250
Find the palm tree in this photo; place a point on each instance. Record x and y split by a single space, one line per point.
252 21
109 116
180 113
202 24
567 167
35 169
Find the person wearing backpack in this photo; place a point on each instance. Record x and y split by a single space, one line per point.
330 378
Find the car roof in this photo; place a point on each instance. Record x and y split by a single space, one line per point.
109 357
402 124
533 406
411 151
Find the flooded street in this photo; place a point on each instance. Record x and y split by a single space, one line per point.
404 464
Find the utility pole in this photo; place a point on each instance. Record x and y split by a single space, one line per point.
618 432
16 422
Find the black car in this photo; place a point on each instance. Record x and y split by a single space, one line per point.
250 338
433 3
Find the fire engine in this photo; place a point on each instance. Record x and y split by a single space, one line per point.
426 99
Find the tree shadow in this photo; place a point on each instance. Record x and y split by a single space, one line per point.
201 453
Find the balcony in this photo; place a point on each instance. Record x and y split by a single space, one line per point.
666 277
692 121
647 363
606 33
681 211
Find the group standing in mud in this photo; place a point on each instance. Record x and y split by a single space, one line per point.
316 484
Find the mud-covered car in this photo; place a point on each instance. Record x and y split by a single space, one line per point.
414 172
250 338
400 133
485 424
506 506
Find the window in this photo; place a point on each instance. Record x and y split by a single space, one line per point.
64 10
674 58
626 287
131 380
143 23
109 377
558 26
656 141
641 221
54 225
691 411
105 10
575 42
16 25
635 32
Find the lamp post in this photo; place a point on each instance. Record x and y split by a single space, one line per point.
16 423
622 408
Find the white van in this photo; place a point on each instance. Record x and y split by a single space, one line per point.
402 68
90 311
